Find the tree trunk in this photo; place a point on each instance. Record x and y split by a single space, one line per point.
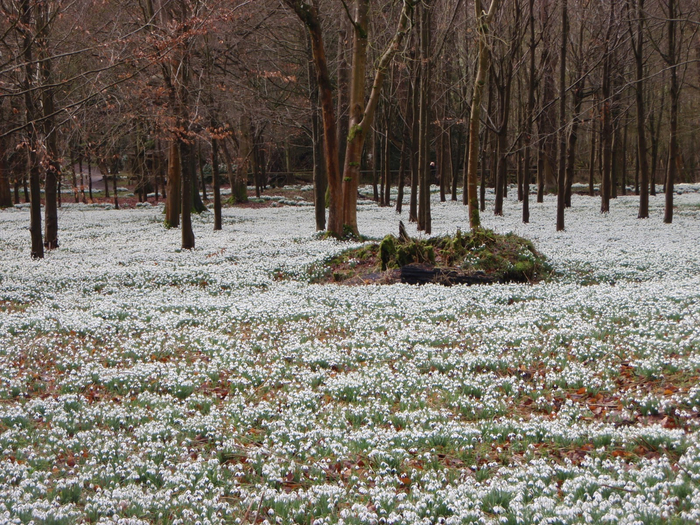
561 179
104 168
201 164
343 91
387 156
89 167
441 154
456 159
483 21
401 178
216 183
623 163
187 165
504 86
529 117
424 217
361 114
239 191
197 204
308 14
673 156
465 161
255 162
17 185
591 166
172 202
53 165
319 174
115 172
606 137
75 178
373 165
414 104
655 132
573 134
31 113
5 191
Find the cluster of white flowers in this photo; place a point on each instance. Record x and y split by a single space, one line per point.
143 384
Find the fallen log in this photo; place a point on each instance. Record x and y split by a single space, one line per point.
421 274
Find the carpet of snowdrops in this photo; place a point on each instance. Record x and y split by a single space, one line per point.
144 384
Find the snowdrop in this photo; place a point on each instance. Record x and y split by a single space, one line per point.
140 382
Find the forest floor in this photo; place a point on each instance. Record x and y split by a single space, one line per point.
141 383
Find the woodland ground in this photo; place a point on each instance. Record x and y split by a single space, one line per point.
144 384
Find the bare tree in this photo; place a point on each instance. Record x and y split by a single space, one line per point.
561 179
483 20
361 111
636 27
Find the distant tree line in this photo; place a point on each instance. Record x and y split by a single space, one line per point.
183 96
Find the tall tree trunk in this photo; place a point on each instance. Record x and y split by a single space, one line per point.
187 165
655 135
529 117
561 179
31 113
239 191
591 159
547 122
319 173
216 183
442 140
375 141
361 113
402 179
255 162
89 167
343 91
5 191
519 140
623 163
308 14
197 204
673 157
642 154
156 171
504 86
201 164
483 21
83 199
53 165
104 168
424 217
74 175
578 95
405 110
457 158
606 137
616 141
387 156
172 202
414 104
465 161
606 140
115 173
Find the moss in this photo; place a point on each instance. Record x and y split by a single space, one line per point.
499 257
387 251
352 133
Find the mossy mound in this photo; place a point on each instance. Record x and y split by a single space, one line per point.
479 256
